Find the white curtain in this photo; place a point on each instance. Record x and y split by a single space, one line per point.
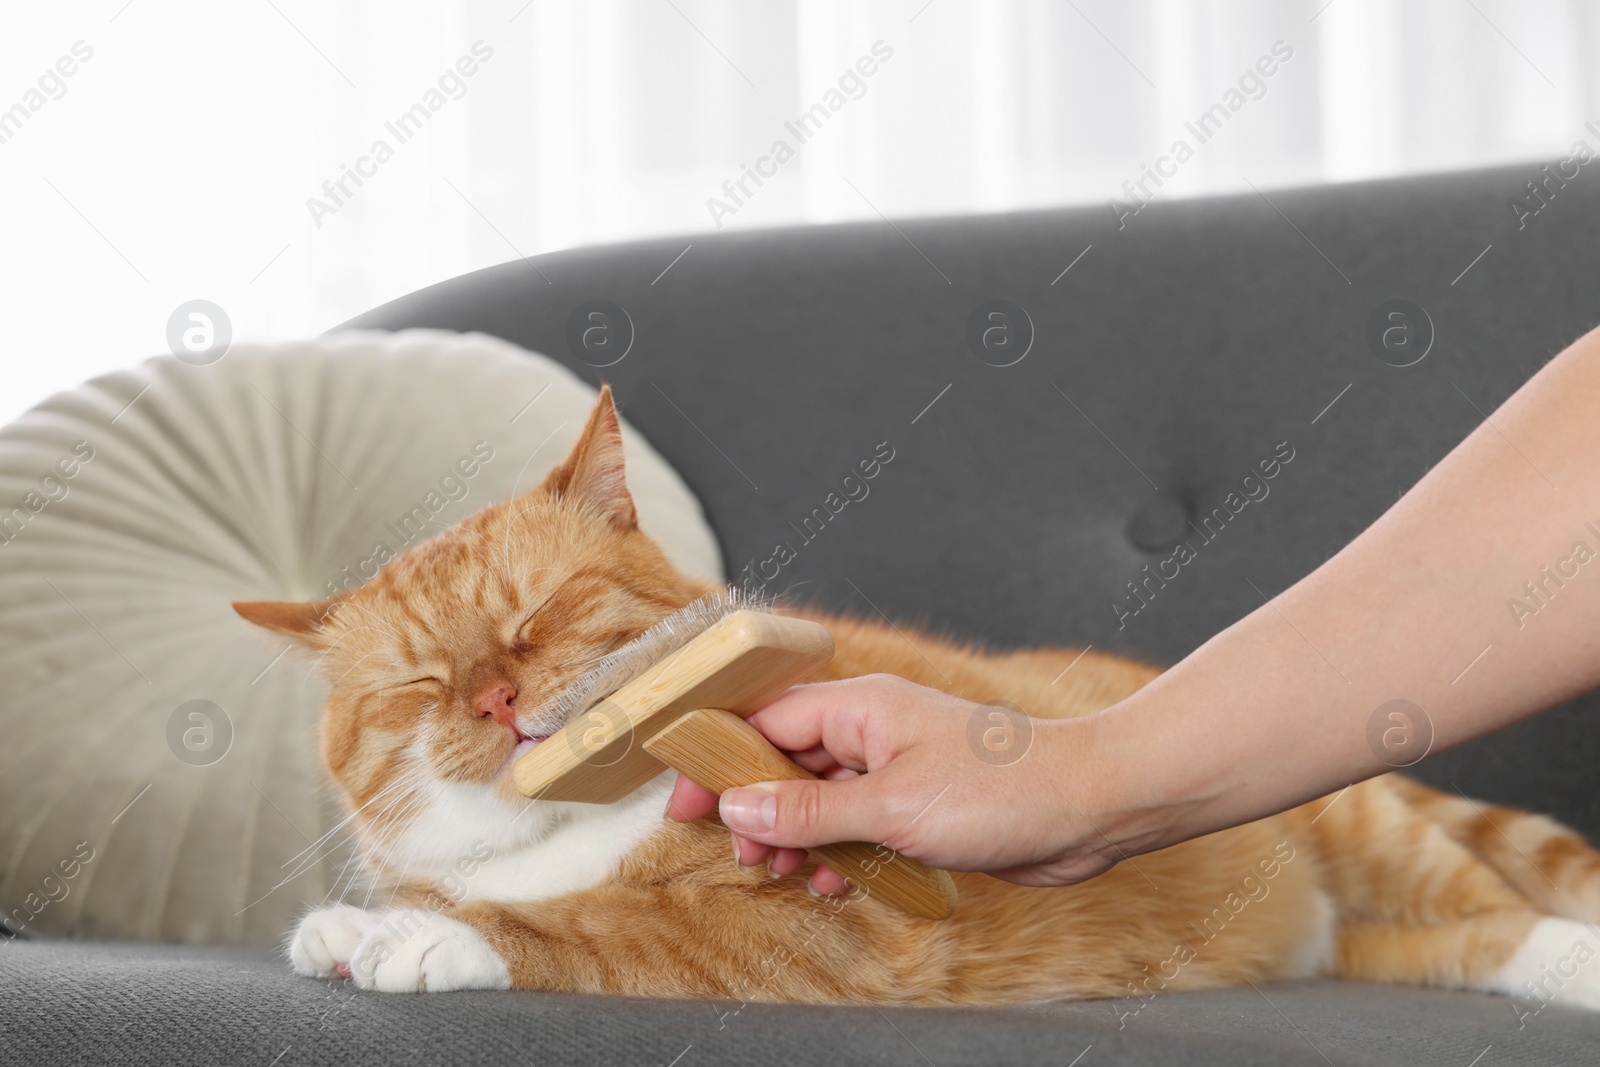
187 156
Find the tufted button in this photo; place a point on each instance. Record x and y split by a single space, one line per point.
1159 523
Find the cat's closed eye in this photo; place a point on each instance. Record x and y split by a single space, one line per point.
427 680
522 644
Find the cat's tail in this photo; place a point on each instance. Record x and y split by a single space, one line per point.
1551 865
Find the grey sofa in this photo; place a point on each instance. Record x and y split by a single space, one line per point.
1025 494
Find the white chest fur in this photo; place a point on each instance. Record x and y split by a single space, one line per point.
480 848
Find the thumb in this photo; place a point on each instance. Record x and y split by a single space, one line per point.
802 814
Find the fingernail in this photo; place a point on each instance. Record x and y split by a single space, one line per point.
737 862
751 810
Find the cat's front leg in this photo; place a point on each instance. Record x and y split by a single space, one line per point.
414 950
717 939
322 944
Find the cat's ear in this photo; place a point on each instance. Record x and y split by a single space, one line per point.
593 471
302 620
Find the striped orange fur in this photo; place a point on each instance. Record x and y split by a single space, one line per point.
1390 882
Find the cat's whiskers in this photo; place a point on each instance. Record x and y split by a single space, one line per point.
343 871
384 853
378 839
353 839
399 880
331 831
321 848
412 791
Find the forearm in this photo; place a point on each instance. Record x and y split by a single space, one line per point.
1272 712
1275 710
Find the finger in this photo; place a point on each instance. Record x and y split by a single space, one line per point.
690 801
826 715
839 774
785 861
815 760
801 814
747 853
827 882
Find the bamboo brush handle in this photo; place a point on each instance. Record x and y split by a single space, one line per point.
721 751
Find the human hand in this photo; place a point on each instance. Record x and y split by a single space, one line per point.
896 768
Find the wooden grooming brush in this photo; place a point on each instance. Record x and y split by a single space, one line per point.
676 696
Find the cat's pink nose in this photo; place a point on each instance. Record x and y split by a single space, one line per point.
496 701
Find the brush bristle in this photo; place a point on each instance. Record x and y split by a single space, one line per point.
666 636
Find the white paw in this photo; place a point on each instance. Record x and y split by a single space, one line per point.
325 938
415 951
1558 963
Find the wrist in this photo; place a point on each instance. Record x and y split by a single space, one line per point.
1133 781
1099 809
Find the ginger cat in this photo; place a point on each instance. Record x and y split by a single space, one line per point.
439 666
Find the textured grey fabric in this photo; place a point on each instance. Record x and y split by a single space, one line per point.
1169 361
1174 357
156 1005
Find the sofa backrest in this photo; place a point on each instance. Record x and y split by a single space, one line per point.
1047 403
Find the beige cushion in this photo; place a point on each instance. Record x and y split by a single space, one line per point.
158 774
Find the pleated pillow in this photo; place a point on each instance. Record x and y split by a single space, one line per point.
158 772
